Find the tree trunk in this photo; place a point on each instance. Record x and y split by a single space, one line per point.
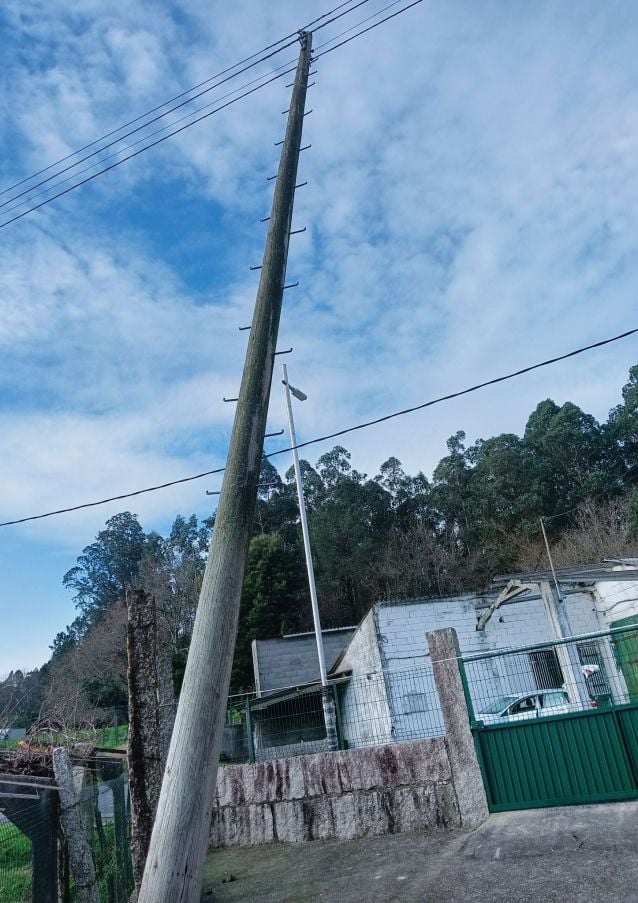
166 693
144 736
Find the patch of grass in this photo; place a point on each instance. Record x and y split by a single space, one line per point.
15 865
107 737
112 737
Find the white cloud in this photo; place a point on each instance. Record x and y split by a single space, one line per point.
471 208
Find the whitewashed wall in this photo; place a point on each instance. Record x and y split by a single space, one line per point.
399 632
365 712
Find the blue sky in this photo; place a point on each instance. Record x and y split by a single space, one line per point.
472 206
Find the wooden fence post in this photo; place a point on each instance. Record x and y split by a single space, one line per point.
72 814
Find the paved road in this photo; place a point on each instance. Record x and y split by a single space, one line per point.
579 854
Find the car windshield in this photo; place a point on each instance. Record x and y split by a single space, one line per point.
493 708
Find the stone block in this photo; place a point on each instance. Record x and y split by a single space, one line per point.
343 794
304 820
448 806
412 809
263 782
328 773
466 774
242 826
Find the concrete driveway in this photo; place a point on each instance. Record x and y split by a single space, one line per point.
577 854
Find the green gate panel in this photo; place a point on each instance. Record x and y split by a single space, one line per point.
626 649
628 722
582 757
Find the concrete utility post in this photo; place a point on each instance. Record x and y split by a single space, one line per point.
179 842
558 619
306 535
328 702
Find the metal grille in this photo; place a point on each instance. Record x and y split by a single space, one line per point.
381 707
580 674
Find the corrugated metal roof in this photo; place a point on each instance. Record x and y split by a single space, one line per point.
590 573
324 631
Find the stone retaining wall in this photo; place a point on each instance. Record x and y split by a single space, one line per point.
359 792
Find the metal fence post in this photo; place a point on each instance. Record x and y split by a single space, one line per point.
466 690
339 725
249 732
332 733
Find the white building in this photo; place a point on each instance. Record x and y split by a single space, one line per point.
388 690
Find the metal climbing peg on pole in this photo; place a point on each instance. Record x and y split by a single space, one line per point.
179 842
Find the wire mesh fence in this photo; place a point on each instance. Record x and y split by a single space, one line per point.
376 708
15 863
574 675
33 854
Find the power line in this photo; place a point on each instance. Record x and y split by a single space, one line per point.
188 125
352 27
279 49
343 432
145 125
475 388
369 28
122 150
142 149
133 121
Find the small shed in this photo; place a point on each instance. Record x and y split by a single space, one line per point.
292 660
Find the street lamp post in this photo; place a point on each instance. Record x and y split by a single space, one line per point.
328 703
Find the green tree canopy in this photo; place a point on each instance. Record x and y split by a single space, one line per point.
273 601
107 567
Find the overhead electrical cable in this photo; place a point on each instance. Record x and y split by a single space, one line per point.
136 119
342 432
146 124
279 47
290 64
369 28
352 27
145 148
188 125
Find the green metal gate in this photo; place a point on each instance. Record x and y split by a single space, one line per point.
543 744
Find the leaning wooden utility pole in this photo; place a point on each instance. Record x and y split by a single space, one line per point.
179 842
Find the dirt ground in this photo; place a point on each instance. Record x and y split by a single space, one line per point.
579 854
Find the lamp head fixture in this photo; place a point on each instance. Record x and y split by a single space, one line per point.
301 396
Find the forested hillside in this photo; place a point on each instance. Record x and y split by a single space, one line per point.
388 535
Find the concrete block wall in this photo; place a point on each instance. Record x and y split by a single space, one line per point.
403 626
357 793
616 600
582 614
414 703
292 660
365 712
363 649
401 631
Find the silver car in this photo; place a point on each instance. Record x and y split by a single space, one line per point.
527 705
